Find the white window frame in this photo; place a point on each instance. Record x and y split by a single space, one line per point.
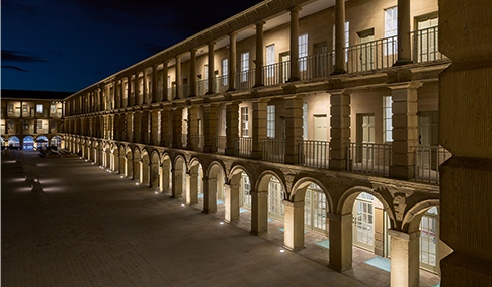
225 72
39 108
244 122
244 66
305 121
347 39
39 125
270 60
388 119
303 52
391 29
271 121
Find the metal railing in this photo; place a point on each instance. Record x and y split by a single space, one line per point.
369 158
382 53
171 93
425 45
243 147
201 87
184 91
197 142
273 150
276 73
184 140
221 84
316 66
245 80
220 144
314 153
427 161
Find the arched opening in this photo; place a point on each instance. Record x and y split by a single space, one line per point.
145 168
41 142
213 188
14 142
194 190
136 165
165 176
56 141
266 204
129 163
122 160
315 209
114 158
154 170
28 143
179 178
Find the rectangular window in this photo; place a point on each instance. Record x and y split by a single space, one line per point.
305 121
244 122
244 67
11 125
24 108
53 109
39 109
225 72
25 126
303 52
39 125
53 125
270 60
346 40
271 121
168 82
387 119
11 108
390 30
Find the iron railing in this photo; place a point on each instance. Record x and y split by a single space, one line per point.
184 140
243 147
184 91
425 45
201 87
219 144
273 150
245 80
221 83
316 66
171 93
369 158
197 142
427 161
382 53
276 73
314 153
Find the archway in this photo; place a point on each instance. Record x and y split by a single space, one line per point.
129 163
56 141
213 187
154 169
194 190
266 202
28 143
144 168
136 165
41 142
115 159
179 179
13 142
165 176
237 194
121 160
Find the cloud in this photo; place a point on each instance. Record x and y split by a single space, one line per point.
15 68
21 57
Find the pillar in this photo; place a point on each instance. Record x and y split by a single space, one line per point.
259 127
404 47
121 164
232 130
117 100
405 133
209 195
192 186
232 209
339 129
339 37
211 67
177 78
130 99
177 187
177 120
293 225
164 178
294 43
136 170
209 128
192 128
340 227
165 96
145 126
154 178
154 128
404 258
166 137
232 61
259 212
136 88
259 54
129 126
293 129
145 91
465 119
192 80
137 130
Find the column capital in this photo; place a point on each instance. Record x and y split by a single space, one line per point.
232 34
211 44
295 9
260 23
193 51
411 85
341 92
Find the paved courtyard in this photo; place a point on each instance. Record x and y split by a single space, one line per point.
89 227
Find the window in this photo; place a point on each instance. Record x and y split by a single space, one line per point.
225 72
25 126
270 60
53 125
168 82
303 52
11 108
305 121
391 29
244 67
271 121
11 125
39 109
53 109
24 108
387 119
206 76
244 122
39 125
346 40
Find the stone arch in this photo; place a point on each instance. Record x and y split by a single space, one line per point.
145 167
136 164
193 180
346 201
234 193
178 173
107 155
214 178
300 187
154 169
165 177
114 163
121 159
129 162
261 184
412 217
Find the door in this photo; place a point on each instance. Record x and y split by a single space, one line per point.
428 124
427 40
366 53
429 240
363 222
321 60
284 67
275 197
366 124
320 134
315 208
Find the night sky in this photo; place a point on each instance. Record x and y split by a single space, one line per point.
67 45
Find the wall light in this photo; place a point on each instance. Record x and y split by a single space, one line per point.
281 251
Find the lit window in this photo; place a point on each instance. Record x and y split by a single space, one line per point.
24 108
271 121
244 122
303 52
346 40
11 108
270 60
305 121
390 30
39 108
244 67
387 119
39 125
53 109
225 71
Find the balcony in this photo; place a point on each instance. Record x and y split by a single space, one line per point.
273 150
219 144
427 161
369 158
243 147
314 153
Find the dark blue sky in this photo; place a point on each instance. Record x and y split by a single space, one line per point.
67 45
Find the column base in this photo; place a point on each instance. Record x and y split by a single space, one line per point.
258 85
231 221
256 233
402 62
293 249
293 79
338 72
209 212
191 203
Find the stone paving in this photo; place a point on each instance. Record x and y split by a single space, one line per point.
89 227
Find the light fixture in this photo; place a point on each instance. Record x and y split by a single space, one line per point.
121 176
156 192
182 205
221 223
137 183
281 251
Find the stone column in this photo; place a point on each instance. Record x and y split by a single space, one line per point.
165 96
294 43
130 126
136 88
130 99
192 186
259 127
146 126
231 202
232 61
154 85
404 259
340 227
117 100
137 130
339 129
405 133
192 73
339 37
177 187
293 225
259 54
259 212
177 71
116 127
121 164
465 120
211 67
404 19
232 130
154 178
164 178
192 128
166 139
293 129
210 128
177 120
145 90
137 171
209 187
154 128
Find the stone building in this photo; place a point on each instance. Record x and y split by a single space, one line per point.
322 114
